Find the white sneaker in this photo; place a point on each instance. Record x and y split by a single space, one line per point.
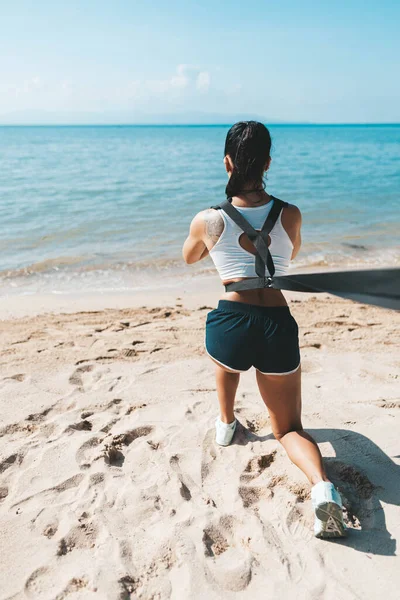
327 505
224 432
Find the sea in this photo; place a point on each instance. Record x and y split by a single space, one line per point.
107 208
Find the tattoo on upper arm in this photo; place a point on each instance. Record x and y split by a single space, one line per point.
213 224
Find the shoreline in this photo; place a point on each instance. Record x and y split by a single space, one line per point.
196 289
195 294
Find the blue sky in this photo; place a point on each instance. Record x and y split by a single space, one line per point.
280 60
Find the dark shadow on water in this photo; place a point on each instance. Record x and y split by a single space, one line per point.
365 477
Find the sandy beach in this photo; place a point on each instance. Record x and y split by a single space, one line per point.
111 484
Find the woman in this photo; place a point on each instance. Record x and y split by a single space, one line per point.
254 327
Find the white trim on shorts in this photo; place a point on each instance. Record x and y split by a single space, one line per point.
287 372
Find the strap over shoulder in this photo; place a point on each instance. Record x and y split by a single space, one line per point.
263 256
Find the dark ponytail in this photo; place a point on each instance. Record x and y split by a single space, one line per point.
248 145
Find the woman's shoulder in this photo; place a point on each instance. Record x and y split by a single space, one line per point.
291 220
208 214
209 222
291 214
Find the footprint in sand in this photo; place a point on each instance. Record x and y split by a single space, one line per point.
214 540
129 585
134 407
43 583
299 524
3 493
112 453
31 424
255 467
199 408
186 482
76 378
86 414
228 562
185 492
12 460
46 521
83 425
51 584
64 492
254 423
252 495
188 488
20 427
301 491
153 581
81 537
89 452
108 426
93 377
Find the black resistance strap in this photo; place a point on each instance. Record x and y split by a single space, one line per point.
263 256
380 287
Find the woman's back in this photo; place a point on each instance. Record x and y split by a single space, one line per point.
234 255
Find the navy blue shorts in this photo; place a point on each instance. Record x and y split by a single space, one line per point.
240 336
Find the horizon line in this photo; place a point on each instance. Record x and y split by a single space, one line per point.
272 124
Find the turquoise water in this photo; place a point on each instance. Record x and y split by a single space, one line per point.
106 208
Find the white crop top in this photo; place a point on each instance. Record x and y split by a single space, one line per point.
233 261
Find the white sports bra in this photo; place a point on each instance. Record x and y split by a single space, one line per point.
232 261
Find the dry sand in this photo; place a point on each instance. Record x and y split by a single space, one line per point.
112 487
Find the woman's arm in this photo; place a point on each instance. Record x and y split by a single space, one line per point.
194 248
291 221
205 231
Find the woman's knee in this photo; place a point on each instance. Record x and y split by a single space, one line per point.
279 434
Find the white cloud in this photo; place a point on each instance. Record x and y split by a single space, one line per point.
203 81
187 82
185 86
27 87
185 78
181 78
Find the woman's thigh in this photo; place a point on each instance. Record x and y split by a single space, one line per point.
282 397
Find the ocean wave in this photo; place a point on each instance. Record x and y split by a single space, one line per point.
43 266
